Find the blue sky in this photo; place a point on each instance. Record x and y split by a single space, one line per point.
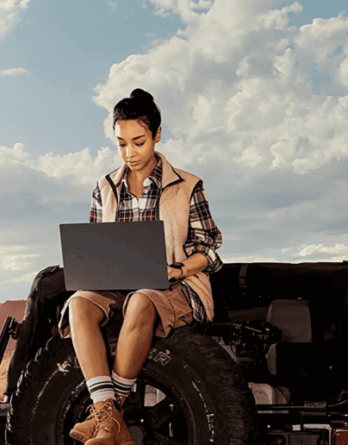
254 98
68 47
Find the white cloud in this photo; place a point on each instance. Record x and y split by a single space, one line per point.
255 258
342 72
81 166
18 264
26 278
239 79
113 5
303 253
315 248
10 12
15 155
187 9
17 258
12 72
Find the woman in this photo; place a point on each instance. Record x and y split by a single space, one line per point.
146 187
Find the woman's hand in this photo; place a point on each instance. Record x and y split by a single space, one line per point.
173 273
193 264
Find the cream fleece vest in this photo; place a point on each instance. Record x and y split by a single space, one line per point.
174 208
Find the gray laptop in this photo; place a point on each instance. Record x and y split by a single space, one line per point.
114 256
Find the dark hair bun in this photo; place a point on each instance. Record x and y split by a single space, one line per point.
140 105
140 94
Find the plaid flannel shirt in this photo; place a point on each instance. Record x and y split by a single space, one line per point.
203 235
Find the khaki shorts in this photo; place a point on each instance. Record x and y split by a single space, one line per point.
172 306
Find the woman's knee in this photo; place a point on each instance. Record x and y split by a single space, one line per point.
141 307
81 308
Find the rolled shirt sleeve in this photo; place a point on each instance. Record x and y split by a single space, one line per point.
203 236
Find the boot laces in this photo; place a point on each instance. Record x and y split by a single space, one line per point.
101 415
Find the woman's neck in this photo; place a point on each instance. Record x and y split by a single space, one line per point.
138 176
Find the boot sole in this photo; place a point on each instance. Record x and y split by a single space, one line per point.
75 435
78 436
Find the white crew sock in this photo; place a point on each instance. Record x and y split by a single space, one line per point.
100 388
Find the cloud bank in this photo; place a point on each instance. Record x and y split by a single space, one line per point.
10 12
240 86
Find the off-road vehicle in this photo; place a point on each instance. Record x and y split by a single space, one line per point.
271 369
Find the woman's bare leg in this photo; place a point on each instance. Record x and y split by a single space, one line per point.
135 336
90 348
89 344
133 344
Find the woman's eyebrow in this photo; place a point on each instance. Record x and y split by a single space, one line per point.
133 139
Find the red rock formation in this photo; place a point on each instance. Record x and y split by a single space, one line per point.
15 309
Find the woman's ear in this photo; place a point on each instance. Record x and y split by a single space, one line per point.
158 135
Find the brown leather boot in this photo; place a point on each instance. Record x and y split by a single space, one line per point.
85 430
105 426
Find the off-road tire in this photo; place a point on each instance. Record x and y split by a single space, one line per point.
202 397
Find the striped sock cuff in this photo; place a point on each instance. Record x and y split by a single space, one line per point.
121 385
100 388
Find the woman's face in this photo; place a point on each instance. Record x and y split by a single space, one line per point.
136 144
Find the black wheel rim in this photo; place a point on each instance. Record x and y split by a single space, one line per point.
155 413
